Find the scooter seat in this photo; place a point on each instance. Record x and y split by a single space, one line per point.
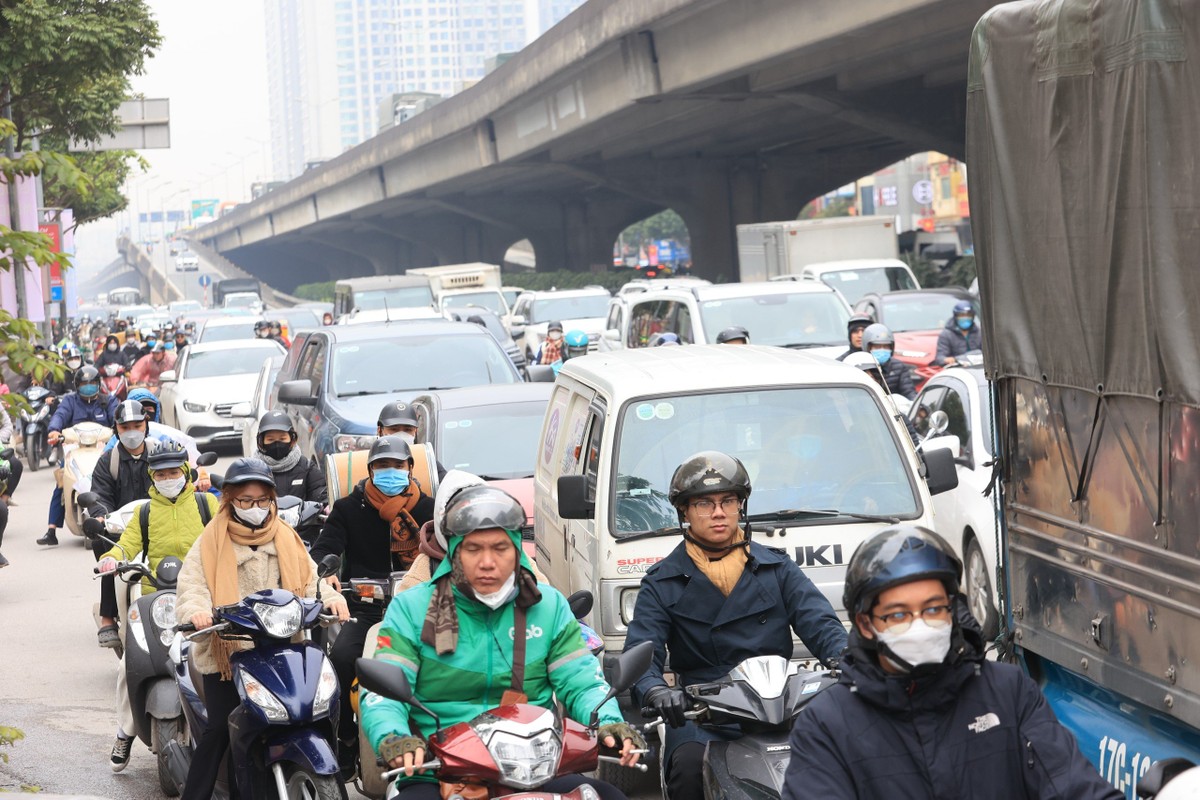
197 679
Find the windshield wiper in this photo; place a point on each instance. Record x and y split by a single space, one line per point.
813 513
805 345
630 537
363 393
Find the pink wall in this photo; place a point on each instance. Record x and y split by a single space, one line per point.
33 276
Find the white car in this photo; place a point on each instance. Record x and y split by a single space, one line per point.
641 285
576 309
187 262
227 329
198 396
177 308
247 300
964 517
258 405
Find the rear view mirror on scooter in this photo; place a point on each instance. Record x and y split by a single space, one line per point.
93 527
389 680
7 453
88 499
626 670
206 459
329 565
581 603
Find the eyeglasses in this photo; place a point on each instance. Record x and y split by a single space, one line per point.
705 507
900 621
252 502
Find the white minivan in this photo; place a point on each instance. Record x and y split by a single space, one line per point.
830 463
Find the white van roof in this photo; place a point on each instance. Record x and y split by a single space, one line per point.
698 367
821 267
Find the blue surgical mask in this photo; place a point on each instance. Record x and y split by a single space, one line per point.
805 446
151 342
89 390
882 356
390 481
964 323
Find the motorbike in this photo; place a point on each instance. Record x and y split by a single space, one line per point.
306 517
150 625
110 529
114 381
762 696
282 734
515 748
35 425
1170 779
82 447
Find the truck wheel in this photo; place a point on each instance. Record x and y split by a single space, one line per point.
163 731
980 596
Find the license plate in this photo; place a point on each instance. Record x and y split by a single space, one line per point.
239 424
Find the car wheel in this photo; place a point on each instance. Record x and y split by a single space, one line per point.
980 597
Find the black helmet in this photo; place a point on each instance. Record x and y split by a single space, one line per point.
249 470
275 421
129 411
897 555
554 326
262 325
389 447
858 321
165 454
707 472
397 413
478 508
88 374
733 333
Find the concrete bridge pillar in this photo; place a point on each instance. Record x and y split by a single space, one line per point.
582 241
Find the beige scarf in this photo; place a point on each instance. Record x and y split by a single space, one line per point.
221 568
725 571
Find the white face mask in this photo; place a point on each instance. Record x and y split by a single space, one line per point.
252 516
408 437
920 644
132 439
501 595
171 488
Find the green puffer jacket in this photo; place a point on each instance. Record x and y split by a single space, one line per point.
174 526
460 686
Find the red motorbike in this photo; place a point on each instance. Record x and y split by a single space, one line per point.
114 380
513 749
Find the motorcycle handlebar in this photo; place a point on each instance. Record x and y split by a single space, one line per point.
433 763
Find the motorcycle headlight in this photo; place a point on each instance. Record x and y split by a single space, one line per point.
327 684
262 697
195 408
628 603
525 763
346 443
162 611
282 622
88 438
42 413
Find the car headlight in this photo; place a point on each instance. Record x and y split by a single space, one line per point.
162 611
525 763
628 603
327 684
194 408
346 443
282 622
262 697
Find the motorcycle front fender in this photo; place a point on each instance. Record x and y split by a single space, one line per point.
304 746
32 429
162 701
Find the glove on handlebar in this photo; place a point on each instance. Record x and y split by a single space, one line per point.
395 746
669 703
620 731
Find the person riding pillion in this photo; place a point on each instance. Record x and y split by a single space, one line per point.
878 341
551 349
960 336
717 599
294 474
174 517
244 549
451 638
918 711
854 333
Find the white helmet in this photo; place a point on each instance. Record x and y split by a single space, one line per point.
1185 786
455 480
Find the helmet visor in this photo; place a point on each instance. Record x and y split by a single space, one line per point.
482 510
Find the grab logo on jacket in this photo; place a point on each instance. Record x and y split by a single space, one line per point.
532 632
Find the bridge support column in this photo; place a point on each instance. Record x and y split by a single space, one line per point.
583 241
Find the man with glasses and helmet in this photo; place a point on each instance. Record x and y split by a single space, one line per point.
919 711
715 601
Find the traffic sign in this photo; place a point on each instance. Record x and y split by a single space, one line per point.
922 192
56 294
205 281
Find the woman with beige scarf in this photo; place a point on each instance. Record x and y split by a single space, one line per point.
244 549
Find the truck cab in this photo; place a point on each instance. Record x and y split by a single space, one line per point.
382 293
465 286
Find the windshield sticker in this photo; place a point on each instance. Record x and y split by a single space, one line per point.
639 492
350 348
713 304
664 411
451 425
809 688
645 412
464 423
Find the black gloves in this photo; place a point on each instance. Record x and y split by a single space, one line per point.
669 703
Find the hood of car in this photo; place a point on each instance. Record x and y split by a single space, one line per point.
359 414
222 389
916 347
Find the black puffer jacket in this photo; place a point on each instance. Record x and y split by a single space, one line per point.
133 479
899 379
304 480
966 729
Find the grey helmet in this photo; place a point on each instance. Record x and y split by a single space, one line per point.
129 411
877 333
166 454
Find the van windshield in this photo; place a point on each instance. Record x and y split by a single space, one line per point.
492 300
585 306
806 319
855 284
400 297
827 447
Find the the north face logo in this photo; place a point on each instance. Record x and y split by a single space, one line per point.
984 723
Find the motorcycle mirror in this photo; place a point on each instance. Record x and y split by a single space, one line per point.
389 680
88 499
581 603
329 565
206 459
626 670
93 527
7 453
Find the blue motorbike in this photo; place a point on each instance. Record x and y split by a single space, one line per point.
282 733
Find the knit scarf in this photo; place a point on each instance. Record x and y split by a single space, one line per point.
395 512
281 464
440 630
551 350
725 571
221 567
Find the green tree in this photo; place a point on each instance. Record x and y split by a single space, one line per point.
663 225
100 194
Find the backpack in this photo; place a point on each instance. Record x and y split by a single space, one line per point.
144 519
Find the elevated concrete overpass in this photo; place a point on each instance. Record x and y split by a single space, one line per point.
727 112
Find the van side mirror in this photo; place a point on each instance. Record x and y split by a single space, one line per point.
168 376
297 393
941 473
573 500
540 373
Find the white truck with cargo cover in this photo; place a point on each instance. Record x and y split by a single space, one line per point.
465 285
830 461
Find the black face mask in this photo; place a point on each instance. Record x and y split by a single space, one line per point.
277 450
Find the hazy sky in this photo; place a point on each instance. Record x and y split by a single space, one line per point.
213 69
